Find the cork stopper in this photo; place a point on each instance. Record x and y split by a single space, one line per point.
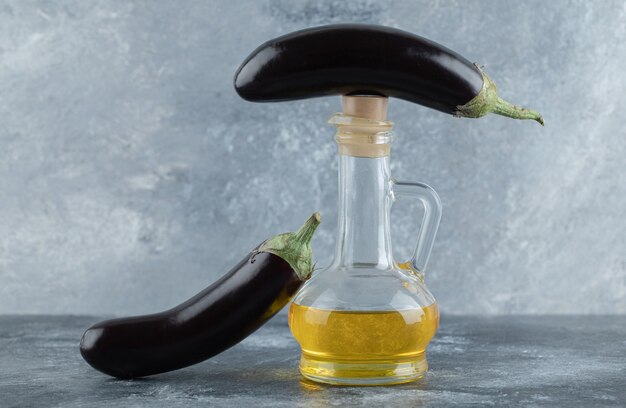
366 106
362 128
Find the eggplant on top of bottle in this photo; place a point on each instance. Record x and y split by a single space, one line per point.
359 59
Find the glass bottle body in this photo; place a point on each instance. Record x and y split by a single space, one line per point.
366 319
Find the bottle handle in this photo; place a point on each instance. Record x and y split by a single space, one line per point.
430 221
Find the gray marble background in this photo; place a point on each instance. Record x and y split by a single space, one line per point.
132 175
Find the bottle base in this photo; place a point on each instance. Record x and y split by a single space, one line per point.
355 372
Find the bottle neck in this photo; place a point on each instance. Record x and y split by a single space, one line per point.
364 203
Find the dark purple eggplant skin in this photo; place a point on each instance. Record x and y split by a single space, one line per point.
215 319
354 59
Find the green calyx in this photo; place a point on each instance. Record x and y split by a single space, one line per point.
295 247
488 101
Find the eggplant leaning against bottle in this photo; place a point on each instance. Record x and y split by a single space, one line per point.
215 319
358 59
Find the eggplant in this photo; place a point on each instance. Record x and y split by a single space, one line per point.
357 59
215 319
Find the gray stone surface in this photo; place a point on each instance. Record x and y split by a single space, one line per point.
529 361
131 174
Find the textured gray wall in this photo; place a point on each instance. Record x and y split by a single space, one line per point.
131 174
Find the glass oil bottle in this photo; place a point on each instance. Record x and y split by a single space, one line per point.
366 319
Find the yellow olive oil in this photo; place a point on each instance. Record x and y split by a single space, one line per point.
363 347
